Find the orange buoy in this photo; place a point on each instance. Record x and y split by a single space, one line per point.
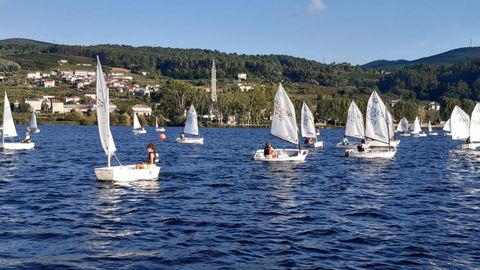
163 137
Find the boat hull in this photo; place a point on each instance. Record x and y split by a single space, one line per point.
347 146
284 155
17 146
470 146
126 173
420 135
405 134
432 134
394 143
370 153
189 140
160 129
139 131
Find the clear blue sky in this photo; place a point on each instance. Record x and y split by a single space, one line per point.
354 31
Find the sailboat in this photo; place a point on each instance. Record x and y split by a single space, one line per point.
416 129
114 173
308 126
354 127
473 141
447 127
430 130
378 128
33 124
284 126
137 128
191 128
159 129
9 130
403 127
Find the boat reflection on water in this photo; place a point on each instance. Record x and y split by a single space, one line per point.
8 165
462 164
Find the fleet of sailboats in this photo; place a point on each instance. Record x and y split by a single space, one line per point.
191 128
378 128
9 130
284 126
121 172
466 128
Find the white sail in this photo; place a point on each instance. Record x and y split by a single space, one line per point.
8 124
191 125
103 113
447 127
33 122
354 127
416 129
460 124
403 125
308 125
377 127
391 131
284 124
475 124
430 127
156 122
136 123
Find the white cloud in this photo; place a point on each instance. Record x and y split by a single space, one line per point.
316 6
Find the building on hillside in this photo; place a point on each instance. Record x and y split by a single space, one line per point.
242 76
63 62
48 83
35 103
2 78
74 99
57 106
434 106
395 101
34 75
141 109
91 96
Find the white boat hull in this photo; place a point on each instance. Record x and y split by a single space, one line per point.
394 143
371 153
447 134
432 134
126 173
347 146
283 155
160 129
36 130
420 135
139 131
405 134
189 140
470 146
17 146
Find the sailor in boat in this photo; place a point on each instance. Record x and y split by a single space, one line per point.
268 151
152 157
28 138
363 146
345 140
182 136
468 141
308 141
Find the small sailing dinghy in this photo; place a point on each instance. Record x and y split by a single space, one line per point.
378 127
308 127
159 129
417 130
284 126
137 128
430 130
33 124
465 128
191 128
122 172
354 127
9 130
402 127
447 128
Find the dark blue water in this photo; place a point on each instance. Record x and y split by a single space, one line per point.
213 207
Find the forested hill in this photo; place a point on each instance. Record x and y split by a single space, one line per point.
183 63
456 56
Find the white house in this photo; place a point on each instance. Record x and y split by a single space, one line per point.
142 109
74 99
48 83
57 106
242 76
35 103
91 96
34 75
